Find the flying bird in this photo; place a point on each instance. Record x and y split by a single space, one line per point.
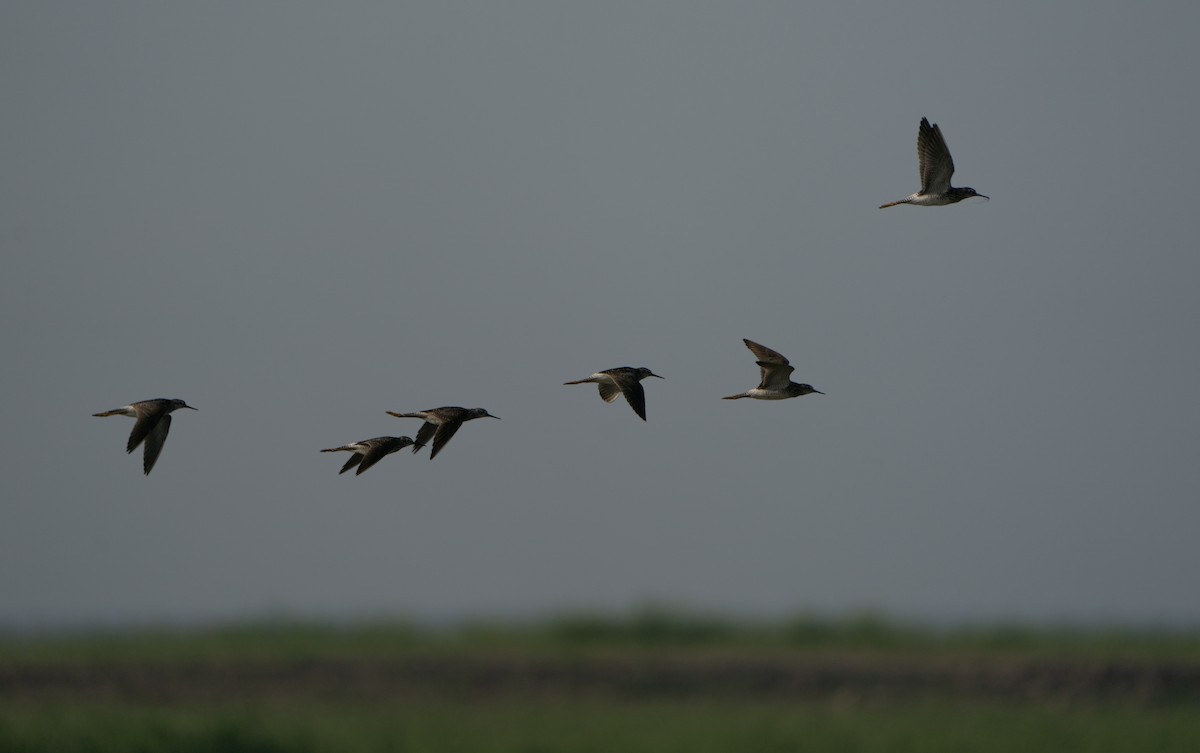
153 423
936 168
623 380
776 377
368 452
441 424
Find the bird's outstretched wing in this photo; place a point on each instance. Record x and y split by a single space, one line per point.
763 353
634 394
375 452
934 157
154 442
775 371
426 431
147 420
609 390
443 435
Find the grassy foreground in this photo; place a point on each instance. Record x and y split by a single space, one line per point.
601 727
650 682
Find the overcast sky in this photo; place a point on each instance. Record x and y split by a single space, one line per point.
299 216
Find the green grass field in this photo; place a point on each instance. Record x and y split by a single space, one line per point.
650 682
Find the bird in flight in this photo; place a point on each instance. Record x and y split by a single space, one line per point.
153 423
368 452
623 380
441 424
936 168
776 377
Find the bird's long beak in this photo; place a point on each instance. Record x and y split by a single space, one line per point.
188 406
989 198
818 392
656 375
495 417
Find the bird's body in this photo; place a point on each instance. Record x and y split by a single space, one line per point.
153 421
441 424
936 168
623 380
368 452
775 381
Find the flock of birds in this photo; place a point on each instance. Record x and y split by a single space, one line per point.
153 417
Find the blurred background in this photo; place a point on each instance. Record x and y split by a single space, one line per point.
299 216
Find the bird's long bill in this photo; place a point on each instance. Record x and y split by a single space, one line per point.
989 198
656 375
188 406
818 392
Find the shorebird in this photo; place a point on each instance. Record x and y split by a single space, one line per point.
153 423
623 380
936 168
776 382
368 452
441 424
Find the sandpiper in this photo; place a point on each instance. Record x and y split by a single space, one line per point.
936 168
153 423
776 382
441 424
623 380
368 452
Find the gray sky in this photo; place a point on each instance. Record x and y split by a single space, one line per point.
297 217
